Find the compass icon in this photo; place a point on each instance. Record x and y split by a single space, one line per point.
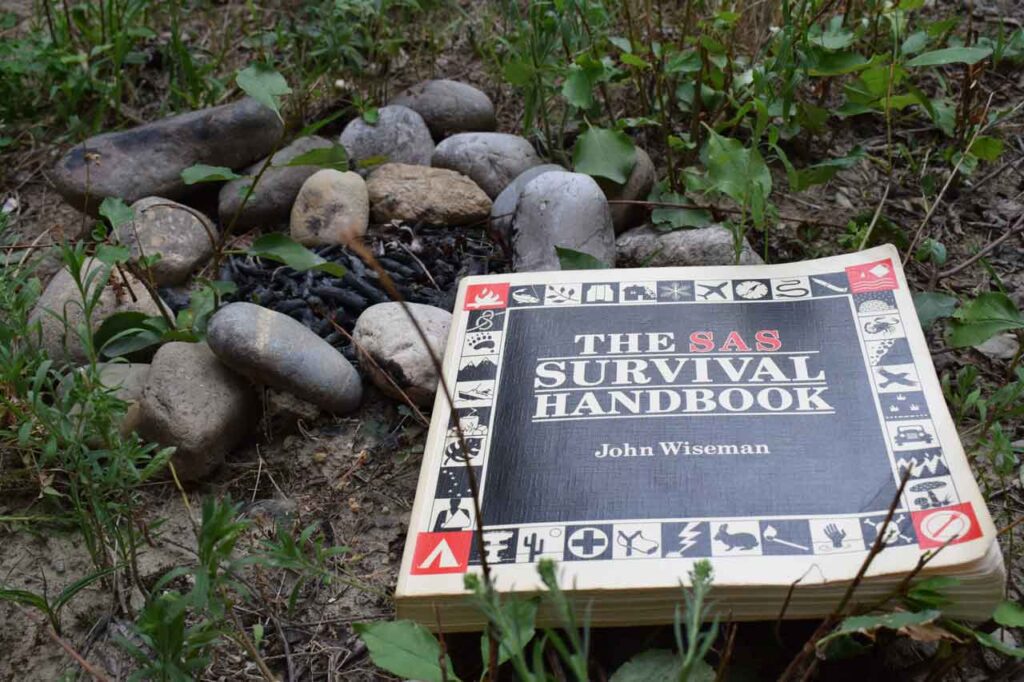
752 289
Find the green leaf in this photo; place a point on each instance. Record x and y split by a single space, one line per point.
991 642
371 115
116 212
605 153
931 250
868 625
334 157
932 306
117 324
518 618
405 649
518 73
204 173
735 171
667 218
578 88
281 248
821 62
577 260
263 84
951 55
653 665
633 60
112 253
979 320
1010 614
932 593
986 148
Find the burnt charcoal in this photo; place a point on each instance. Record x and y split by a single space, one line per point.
347 298
176 299
364 288
292 305
395 268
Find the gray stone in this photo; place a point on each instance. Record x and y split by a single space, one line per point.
125 380
1000 347
148 160
271 203
273 349
332 208
385 334
636 188
713 245
449 107
399 135
491 160
436 196
505 205
197 405
182 236
563 209
59 310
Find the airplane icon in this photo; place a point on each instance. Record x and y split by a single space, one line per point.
897 378
711 289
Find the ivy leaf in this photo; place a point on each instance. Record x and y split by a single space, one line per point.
263 84
951 55
577 260
1010 614
281 248
605 153
979 320
201 172
116 212
334 157
405 649
932 306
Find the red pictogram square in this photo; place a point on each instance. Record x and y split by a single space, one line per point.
441 553
484 296
877 276
935 527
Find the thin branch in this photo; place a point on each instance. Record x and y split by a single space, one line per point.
1015 229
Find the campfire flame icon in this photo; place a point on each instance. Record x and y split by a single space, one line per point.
486 297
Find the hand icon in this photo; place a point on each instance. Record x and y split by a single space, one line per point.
837 536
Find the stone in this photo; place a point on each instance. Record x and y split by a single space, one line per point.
1000 347
57 335
148 160
273 349
435 196
636 188
385 334
505 205
282 411
449 107
399 135
332 208
562 209
270 205
713 245
491 160
184 238
125 380
197 405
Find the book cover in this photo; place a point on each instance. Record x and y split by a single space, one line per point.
626 423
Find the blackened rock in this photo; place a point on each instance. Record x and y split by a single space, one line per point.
449 107
491 160
271 203
561 209
273 349
399 135
148 160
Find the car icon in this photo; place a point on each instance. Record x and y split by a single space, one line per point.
912 434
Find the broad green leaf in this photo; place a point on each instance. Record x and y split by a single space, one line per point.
653 665
932 593
633 60
405 649
263 84
979 320
578 89
951 55
997 645
821 62
577 260
931 250
869 625
116 324
204 173
621 43
371 115
518 72
986 148
914 43
1010 614
735 171
112 253
819 173
116 212
835 37
334 157
667 218
932 306
281 248
605 153
518 618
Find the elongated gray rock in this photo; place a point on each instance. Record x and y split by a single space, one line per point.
184 238
197 405
505 205
398 136
491 160
561 209
449 107
273 349
713 245
385 333
271 203
148 160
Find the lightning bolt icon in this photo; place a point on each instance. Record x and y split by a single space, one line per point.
687 537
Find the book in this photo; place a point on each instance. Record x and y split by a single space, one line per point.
629 423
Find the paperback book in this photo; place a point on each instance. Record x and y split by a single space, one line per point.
628 423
